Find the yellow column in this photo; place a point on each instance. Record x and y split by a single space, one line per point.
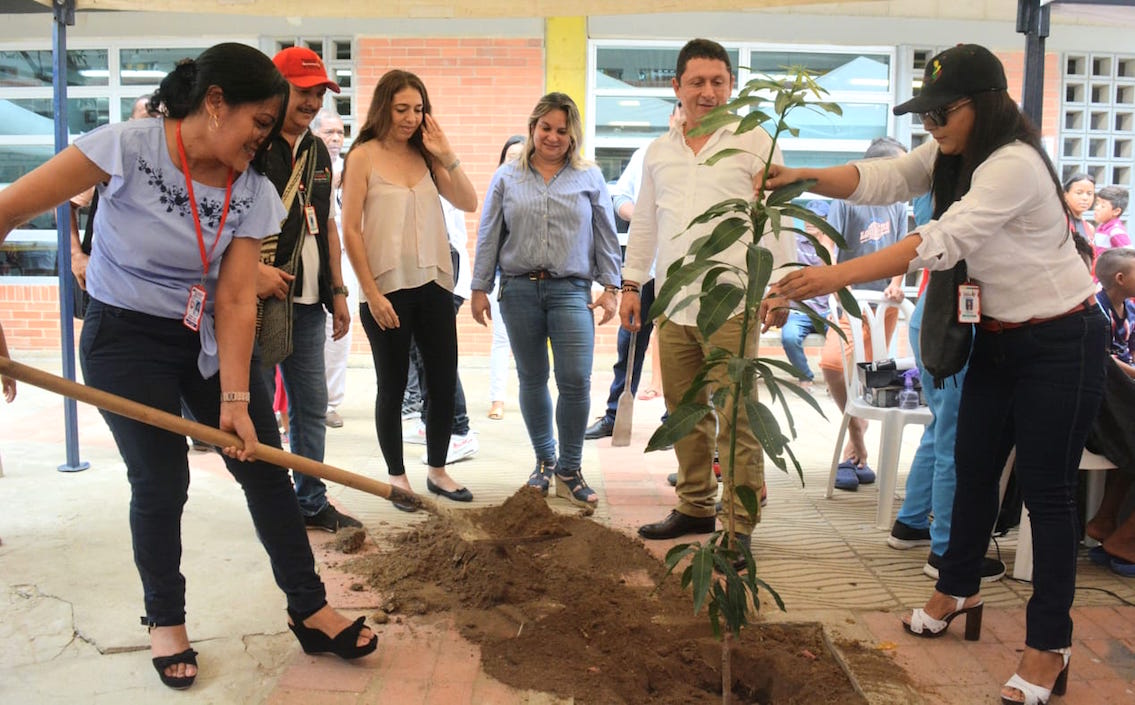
565 59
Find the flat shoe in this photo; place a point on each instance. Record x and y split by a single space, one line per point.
1122 567
461 494
648 394
864 474
845 476
496 412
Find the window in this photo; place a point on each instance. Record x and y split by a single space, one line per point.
338 57
103 83
1097 124
631 97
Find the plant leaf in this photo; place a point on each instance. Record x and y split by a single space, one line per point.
718 306
849 304
702 570
722 154
759 261
678 280
678 425
749 499
723 236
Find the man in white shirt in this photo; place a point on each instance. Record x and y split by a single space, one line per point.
677 186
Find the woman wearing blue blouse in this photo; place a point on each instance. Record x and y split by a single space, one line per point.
548 225
182 209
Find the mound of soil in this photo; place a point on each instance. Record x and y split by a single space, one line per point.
564 605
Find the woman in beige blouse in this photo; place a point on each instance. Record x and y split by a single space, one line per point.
396 240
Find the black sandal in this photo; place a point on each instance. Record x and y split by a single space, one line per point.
344 644
161 663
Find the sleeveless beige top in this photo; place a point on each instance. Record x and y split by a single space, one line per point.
404 235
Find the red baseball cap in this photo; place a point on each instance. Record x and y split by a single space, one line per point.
303 68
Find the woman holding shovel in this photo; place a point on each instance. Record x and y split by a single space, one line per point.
172 315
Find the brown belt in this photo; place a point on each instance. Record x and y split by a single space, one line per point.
539 274
995 326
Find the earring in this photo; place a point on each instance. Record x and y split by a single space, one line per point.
214 123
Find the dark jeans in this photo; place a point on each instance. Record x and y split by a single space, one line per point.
153 361
623 346
417 376
1037 388
425 313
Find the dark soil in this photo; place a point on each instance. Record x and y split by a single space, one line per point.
575 608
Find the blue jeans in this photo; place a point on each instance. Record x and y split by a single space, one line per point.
792 334
153 361
536 311
1038 388
623 345
930 484
305 381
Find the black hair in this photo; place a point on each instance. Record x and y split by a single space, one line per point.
1074 177
1112 262
997 122
243 74
1115 195
701 49
515 139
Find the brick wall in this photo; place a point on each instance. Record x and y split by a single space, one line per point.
1014 63
30 316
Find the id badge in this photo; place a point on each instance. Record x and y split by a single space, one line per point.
194 308
969 304
312 221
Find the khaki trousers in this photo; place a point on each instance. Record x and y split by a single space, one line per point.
683 351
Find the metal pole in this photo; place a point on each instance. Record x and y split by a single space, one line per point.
64 16
1033 22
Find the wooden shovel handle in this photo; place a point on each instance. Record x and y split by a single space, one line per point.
206 434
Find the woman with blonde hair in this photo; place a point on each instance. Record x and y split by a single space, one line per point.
549 226
396 239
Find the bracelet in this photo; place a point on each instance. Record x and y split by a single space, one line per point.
456 163
630 288
340 290
610 287
235 396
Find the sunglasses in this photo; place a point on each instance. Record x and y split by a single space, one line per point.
939 116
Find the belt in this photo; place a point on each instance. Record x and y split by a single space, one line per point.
995 326
539 274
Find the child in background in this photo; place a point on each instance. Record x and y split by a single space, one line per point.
1111 202
1110 434
1080 194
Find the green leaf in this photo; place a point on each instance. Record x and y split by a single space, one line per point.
740 367
702 571
722 238
730 205
678 425
786 194
718 306
765 428
759 261
749 499
753 120
714 120
676 281
723 153
849 304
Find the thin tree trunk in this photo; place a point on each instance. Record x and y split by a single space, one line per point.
727 669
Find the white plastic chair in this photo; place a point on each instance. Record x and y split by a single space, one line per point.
892 420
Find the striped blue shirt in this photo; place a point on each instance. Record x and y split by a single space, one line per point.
565 226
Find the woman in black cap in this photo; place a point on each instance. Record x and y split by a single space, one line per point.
1035 376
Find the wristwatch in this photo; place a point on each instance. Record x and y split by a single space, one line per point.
341 290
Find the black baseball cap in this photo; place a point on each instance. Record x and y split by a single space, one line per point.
956 73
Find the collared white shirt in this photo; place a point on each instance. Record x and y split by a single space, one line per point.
678 186
1010 228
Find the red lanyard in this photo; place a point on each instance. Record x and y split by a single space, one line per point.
193 206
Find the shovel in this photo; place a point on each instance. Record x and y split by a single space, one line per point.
624 413
206 434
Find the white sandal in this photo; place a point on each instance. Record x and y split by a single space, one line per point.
923 625
1035 694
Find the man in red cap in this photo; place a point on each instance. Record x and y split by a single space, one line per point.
303 263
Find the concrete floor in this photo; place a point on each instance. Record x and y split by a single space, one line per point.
70 597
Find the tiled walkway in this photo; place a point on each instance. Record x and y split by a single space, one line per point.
69 587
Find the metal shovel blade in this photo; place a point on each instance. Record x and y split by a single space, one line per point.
624 413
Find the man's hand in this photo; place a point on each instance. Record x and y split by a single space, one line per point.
272 281
79 260
341 317
630 311
479 304
608 303
773 312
